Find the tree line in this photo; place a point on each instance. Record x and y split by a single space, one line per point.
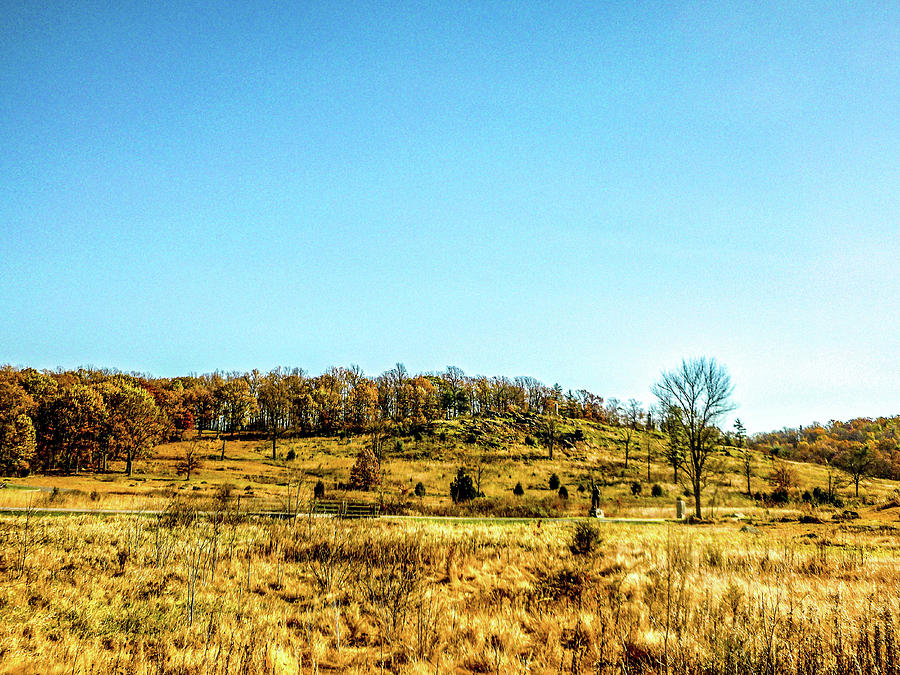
65 421
861 446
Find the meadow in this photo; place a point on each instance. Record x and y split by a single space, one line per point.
228 594
193 583
497 460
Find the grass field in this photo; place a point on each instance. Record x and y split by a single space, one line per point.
758 589
501 454
183 595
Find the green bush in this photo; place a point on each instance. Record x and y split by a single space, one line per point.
636 488
420 489
563 493
462 489
518 491
554 482
319 490
656 490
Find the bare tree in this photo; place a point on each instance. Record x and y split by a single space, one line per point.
634 415
698 392
190 460
856 460
550 433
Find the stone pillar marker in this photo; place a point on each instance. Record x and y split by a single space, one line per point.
679 508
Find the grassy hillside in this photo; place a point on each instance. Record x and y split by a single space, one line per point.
505 450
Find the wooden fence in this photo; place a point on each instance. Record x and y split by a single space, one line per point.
343 509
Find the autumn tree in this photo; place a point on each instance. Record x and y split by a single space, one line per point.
191 460
698 394
366 471
238 402
70 426
274 404
17 436
134 424
783 479
362 400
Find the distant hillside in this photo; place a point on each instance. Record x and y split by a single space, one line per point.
870 445
64 421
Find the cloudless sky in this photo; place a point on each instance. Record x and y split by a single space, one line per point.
580 192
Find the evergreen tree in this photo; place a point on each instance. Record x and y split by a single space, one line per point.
462 489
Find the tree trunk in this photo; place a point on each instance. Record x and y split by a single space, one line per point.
697 511
128 464
274 437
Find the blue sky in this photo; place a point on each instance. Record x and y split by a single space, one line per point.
581 192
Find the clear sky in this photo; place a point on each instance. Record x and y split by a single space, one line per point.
581 192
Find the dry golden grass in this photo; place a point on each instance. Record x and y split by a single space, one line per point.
265 484
231 595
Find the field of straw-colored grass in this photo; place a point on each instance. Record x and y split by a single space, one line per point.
227 594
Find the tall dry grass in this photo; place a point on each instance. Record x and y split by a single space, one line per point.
227 594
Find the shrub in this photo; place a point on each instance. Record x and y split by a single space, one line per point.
585 538
530 442
572 437
560 584
779 497
636 488
319 490
291 455
563 493
398 445
821 496
224 495
462 489
518 491
420 489
656 490
554 482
